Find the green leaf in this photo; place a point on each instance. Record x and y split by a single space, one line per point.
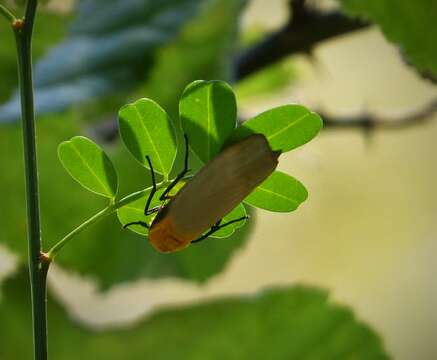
279 192
208 112
238 212
267 82
410 24
89 165
146 129
297 322
285 127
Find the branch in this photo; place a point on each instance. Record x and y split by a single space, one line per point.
304 30
369 122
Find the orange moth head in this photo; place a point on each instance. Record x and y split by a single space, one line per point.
163 237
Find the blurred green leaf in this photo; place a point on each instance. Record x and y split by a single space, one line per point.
146 129
88 164
113 51
201 51
279 192
208 112
410 24
238 212
285 127
127 256
289 323
267 82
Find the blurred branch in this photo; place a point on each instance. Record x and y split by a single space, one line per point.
107 129
305 29
369 122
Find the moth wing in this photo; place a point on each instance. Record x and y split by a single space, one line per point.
221 185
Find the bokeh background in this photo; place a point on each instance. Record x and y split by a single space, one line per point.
367 232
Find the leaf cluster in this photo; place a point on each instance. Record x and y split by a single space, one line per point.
208 116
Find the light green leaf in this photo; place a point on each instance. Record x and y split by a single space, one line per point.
208 113
285 127
238 212
279 192
410 24
146 129
293 323
88 164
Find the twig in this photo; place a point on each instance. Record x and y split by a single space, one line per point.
7 13
305 29
370 122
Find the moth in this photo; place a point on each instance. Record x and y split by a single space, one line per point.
197 210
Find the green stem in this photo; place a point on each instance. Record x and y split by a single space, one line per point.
7 14
100 215
38 266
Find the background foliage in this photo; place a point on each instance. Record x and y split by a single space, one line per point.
133 49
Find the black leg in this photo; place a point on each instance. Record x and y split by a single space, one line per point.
152 193
217 227
142 223
178 178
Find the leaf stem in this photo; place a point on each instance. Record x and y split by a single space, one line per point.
7 14
38 264
100 215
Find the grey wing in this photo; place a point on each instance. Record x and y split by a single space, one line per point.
222 184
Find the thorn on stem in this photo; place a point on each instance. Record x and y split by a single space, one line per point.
44 257
18 24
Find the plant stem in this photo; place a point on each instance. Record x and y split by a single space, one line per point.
38 267
100 215
7 14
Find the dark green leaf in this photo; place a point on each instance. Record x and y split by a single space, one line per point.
147 130
88 164
285 127
279 192
289 323
208 113
411 24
